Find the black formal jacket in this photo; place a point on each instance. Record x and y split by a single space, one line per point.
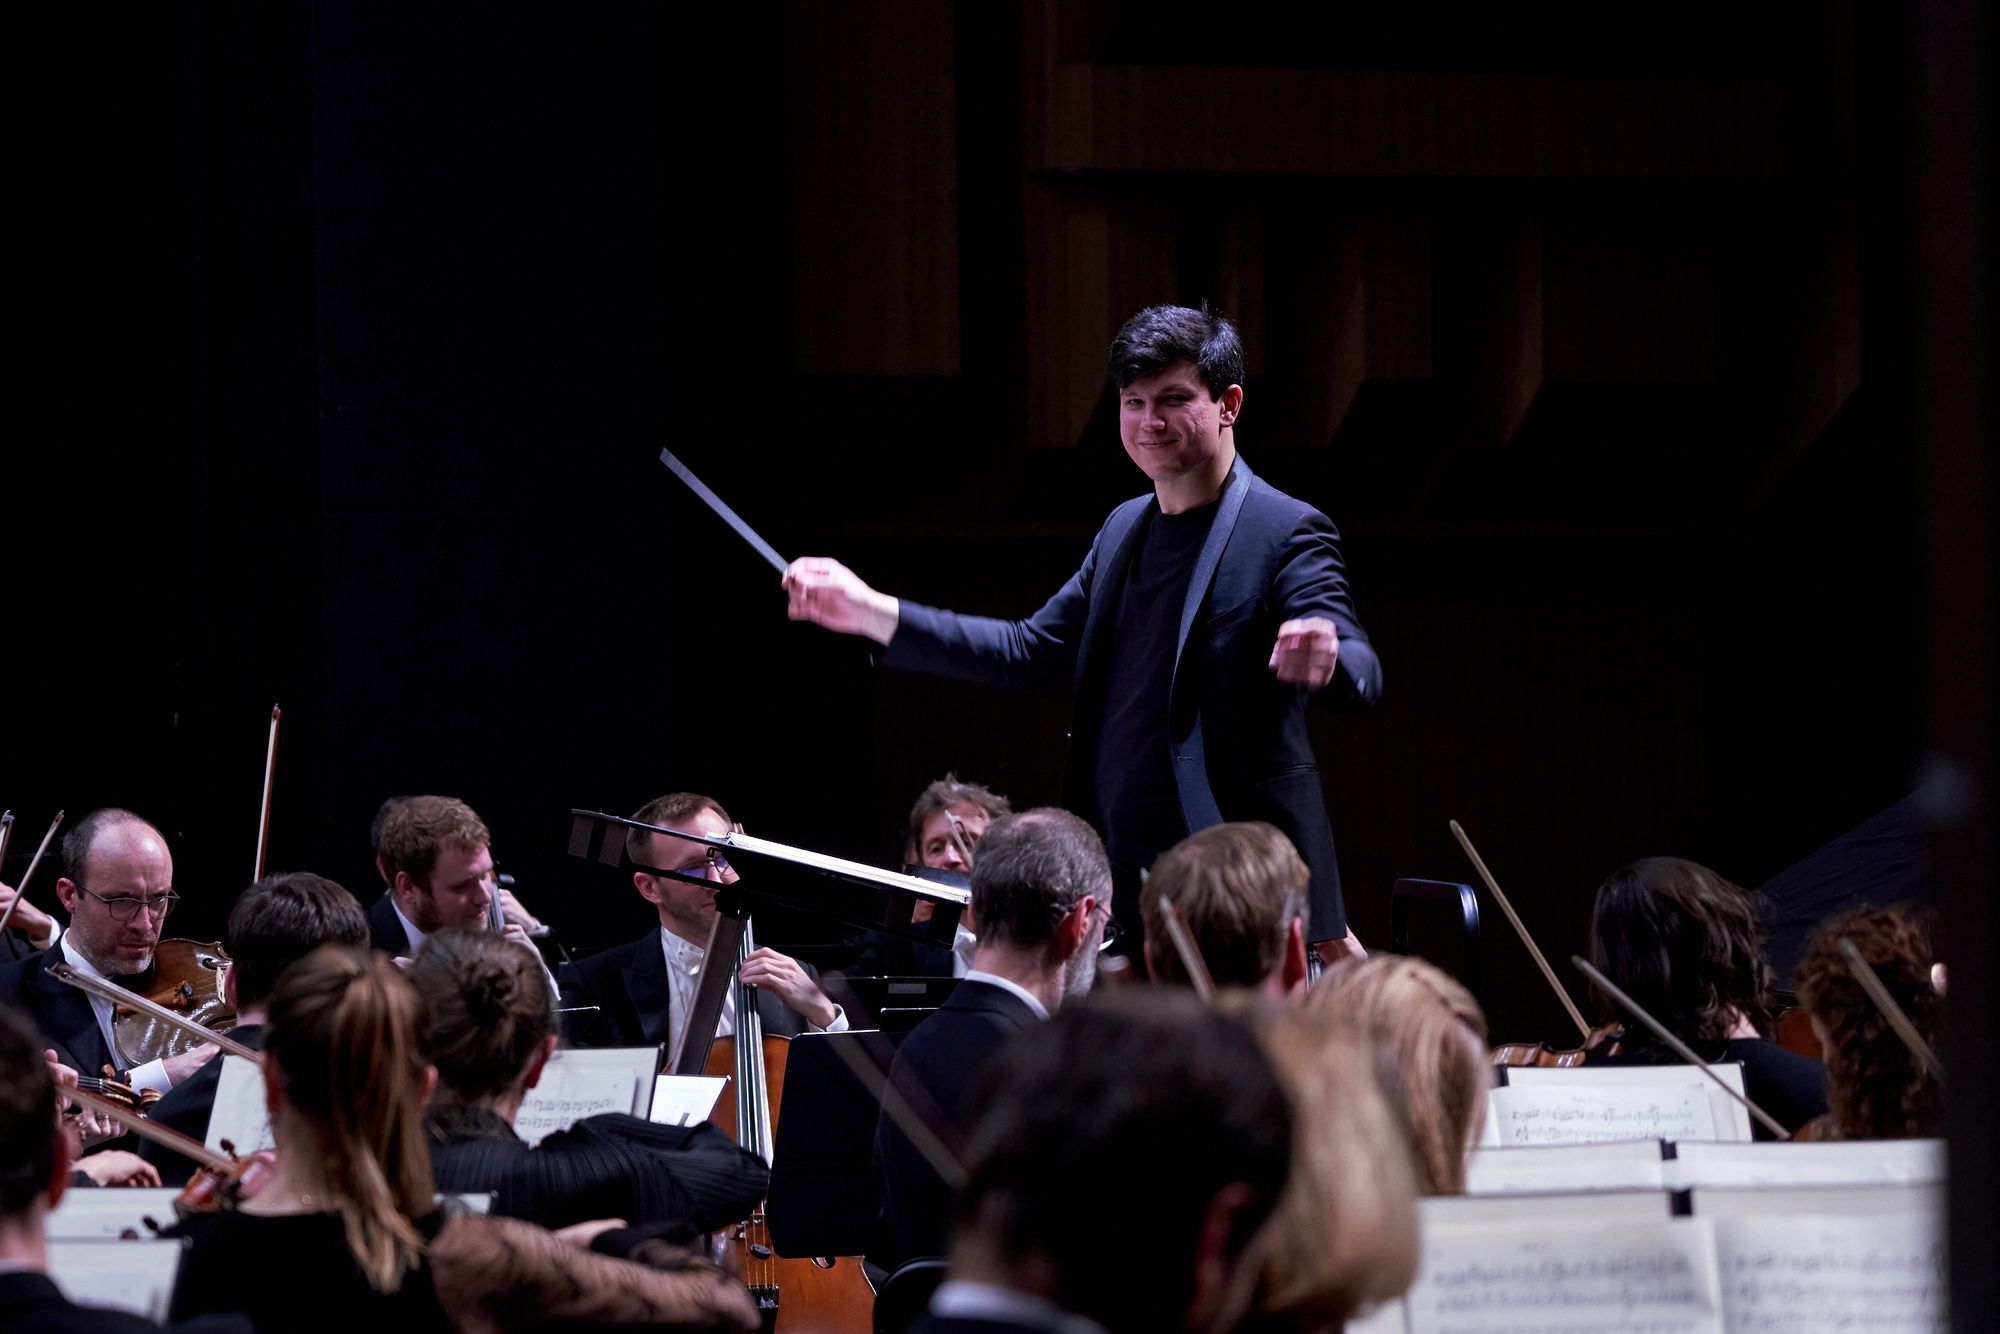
31 1303
935 1068
628 984
680 1180
186 1107
1238 739
60 1012
385 929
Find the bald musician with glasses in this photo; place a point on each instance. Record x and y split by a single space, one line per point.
118 888
642 992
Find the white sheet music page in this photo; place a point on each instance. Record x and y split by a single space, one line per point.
567 1095
106 1215
1577 1114
1821 1275
1570 1278
135 1276
239 1114
685 1100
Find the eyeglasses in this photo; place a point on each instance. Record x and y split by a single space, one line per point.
1112 931
124 907
713 867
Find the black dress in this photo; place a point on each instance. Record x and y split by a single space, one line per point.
677 1181
294 1274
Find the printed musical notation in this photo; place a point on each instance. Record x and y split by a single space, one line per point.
565 1097
1656 1278
1571 1115
1787 1275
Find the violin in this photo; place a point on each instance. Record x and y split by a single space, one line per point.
793 1296
187 981
220 1182
187 1032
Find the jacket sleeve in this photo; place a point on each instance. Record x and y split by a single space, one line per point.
983 650
1311 580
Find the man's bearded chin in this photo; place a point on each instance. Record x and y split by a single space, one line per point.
1080 973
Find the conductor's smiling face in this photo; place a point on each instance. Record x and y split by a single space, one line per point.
1171 425
686 910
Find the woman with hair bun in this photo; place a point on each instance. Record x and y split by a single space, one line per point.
490 1033
346 1235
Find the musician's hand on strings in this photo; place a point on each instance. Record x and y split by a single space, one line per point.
829 594
83 1127
511 909
1306 652
64 1076
30 921
515 932
115 1167
782 975
181 1066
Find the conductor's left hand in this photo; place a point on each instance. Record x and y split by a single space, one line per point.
1306 652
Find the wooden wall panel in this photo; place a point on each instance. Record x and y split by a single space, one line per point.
875 178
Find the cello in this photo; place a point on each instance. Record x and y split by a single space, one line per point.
793 1296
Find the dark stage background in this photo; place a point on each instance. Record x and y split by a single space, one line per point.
354 331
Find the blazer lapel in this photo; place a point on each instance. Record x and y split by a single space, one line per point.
1231 505
72 1023
646 984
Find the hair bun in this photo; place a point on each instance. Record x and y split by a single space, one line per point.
488 993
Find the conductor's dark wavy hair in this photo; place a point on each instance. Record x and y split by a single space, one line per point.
1159 336
1681 941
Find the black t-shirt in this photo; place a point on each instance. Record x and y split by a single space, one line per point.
294 1274
1136 795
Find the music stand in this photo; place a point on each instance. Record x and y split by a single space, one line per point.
1451 896
822 1199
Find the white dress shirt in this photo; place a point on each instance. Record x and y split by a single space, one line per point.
684 959
1028 998
151 1075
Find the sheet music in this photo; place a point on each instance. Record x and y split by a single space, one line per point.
239 1114
106 1214
1907 1197
135 1276
1732 1120
1631 1206
1855 1163
685 1100
1599 1278
1626 1165
566 1096
1583 1115
1821 1275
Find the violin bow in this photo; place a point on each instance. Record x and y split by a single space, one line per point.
21 890
1191 960
270 773
6 834
1680 1049
117 995
1562 993
145 1128
955 827
1871 983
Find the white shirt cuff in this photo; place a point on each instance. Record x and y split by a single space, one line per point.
839 1024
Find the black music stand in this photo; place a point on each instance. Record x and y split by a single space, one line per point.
1458 907
779 875
822 1199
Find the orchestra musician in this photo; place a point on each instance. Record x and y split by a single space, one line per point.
436 855
33 1177
1240 890
490 1035
1040 887
346 1235
1427 1037
1122 1163
1682 942
1877 1086
28 931
643 991
117 887
1344 1234
947 820
274 923
1204 616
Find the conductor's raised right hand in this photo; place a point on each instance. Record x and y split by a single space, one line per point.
829 594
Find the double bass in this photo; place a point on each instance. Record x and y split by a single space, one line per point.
793 1296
